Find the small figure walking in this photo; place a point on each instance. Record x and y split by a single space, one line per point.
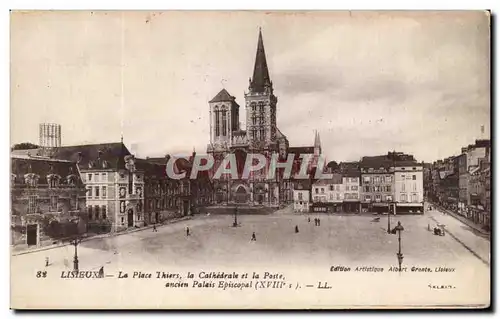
187 231
319 222
296 229
315 222
309 219
46 261
254 238
154 228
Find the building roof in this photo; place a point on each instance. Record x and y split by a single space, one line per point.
351 173
223 96
303 184
32 152
345 167
375 162
260 77
95 156
151 169
407 163
301 150
322 182
483 143
21 165
157 160
336 179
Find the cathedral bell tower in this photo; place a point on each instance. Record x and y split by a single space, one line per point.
260 104
224 119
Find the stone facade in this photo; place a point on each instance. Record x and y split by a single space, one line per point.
43 192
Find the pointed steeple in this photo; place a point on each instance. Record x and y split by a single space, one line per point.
317 143
260 79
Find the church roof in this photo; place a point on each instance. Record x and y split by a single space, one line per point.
260 72
223 96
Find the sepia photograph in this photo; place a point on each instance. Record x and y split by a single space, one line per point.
250 160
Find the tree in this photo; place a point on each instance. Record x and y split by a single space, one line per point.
333 166
24 146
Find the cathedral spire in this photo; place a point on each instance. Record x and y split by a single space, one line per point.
317 142
260 79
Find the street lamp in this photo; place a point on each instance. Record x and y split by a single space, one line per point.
76 241
389 219
399 228
235 224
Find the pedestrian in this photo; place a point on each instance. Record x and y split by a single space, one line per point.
296 229
315 222
319 222
46 261
254 238
309 219
187 231
154 228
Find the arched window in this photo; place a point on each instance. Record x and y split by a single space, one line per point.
254 107
261 107
261 113
217 122
224 123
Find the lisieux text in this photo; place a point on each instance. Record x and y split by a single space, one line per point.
256 280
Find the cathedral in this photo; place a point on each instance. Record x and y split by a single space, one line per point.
260 136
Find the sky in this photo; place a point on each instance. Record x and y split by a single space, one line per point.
368 82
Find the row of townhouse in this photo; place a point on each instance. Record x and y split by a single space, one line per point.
371 185
462 183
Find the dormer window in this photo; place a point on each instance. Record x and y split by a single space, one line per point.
71 180
31 179
53 180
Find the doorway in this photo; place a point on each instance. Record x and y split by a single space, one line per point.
241 195
130 218
185 207
219 197
32 234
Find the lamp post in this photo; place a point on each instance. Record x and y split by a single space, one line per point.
76 241
235 224
389 218
399 228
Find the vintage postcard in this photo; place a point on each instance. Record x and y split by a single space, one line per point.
250 159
